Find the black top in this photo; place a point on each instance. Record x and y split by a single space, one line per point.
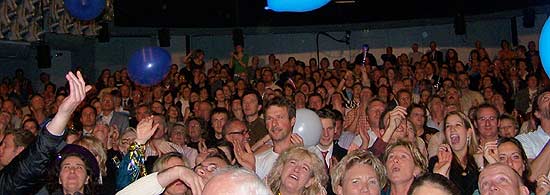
464 178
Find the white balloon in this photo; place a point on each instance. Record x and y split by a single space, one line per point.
308 126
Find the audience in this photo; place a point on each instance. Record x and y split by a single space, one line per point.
231 125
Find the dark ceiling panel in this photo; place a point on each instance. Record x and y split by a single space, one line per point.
251 13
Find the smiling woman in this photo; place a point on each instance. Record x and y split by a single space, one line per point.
298 171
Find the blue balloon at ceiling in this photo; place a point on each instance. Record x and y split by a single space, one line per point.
544 46
295 5
149 65
85 9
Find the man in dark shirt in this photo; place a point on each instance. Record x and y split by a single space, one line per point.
252 104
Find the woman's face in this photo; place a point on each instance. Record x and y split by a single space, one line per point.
168 99
194 97
359 179
173 112
73 175
510 154
400 165
177 136
296 174
456 132
507 128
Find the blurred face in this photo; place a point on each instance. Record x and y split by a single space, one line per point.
452 96
206 168
218 121
107 103
37 103
161 130
8 150
327 135
400 165
375 110
417 117
510 154
237 132
315 103
296 175
177 135
300 100
507 128
73 175
278 123
487 123
177 187
194 129
30 126
404 99
500 179
157 107
250 105
456 132
173 112
141 113
88 117
359 179
126 140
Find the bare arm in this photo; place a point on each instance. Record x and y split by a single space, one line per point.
539 165
68 106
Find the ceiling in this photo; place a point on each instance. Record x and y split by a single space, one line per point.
251 13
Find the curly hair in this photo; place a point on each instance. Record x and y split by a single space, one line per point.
358 157
420 160
318 173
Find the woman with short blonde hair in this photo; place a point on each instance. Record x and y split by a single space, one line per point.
358 165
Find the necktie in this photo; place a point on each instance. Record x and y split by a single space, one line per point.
324 159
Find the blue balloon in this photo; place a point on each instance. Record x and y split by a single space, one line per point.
149 65
85 9
295 5
544 46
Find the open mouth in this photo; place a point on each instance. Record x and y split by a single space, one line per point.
293 177
455 139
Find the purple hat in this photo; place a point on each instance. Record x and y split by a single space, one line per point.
86 155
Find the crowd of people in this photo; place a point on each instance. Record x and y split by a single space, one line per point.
416 123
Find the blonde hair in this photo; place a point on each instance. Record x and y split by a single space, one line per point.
318 173
472 140
358 157
95 146
419 160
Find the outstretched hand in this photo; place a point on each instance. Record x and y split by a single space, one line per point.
145 130
444 159
78 89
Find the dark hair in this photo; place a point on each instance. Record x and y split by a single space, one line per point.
527 171
327 113
255 93
440 181
21 138
282 102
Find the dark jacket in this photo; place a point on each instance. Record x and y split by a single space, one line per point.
25 173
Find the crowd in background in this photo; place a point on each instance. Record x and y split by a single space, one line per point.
393 124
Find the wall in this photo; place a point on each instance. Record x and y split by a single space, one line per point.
303 45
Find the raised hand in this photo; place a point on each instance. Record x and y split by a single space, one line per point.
490 152
444 159
296 140
192 180
244 154
145 130
396 117
77 94
365 138
543 185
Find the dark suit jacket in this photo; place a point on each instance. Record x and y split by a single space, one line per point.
120 120
437 57
522 100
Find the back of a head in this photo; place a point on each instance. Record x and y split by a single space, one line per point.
235 181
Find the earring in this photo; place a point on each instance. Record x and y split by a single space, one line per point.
468 140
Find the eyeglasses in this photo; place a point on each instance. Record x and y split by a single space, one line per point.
241 132
487 118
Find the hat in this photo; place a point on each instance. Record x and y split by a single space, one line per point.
88 158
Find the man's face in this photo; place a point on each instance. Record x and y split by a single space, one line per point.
159 133
218 121
176 187
375 110
500 179
278 123
250 105
124 91
237 132
415 47
8 150
206 168
37 103
205 109
315 103
88 117
108 103
8 106
141 113
487 123
327 136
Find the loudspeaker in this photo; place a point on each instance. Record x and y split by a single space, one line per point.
164 37
104 34
43 56
460 24
528 18
238 37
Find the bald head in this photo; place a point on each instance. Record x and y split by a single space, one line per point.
235 181
500 178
